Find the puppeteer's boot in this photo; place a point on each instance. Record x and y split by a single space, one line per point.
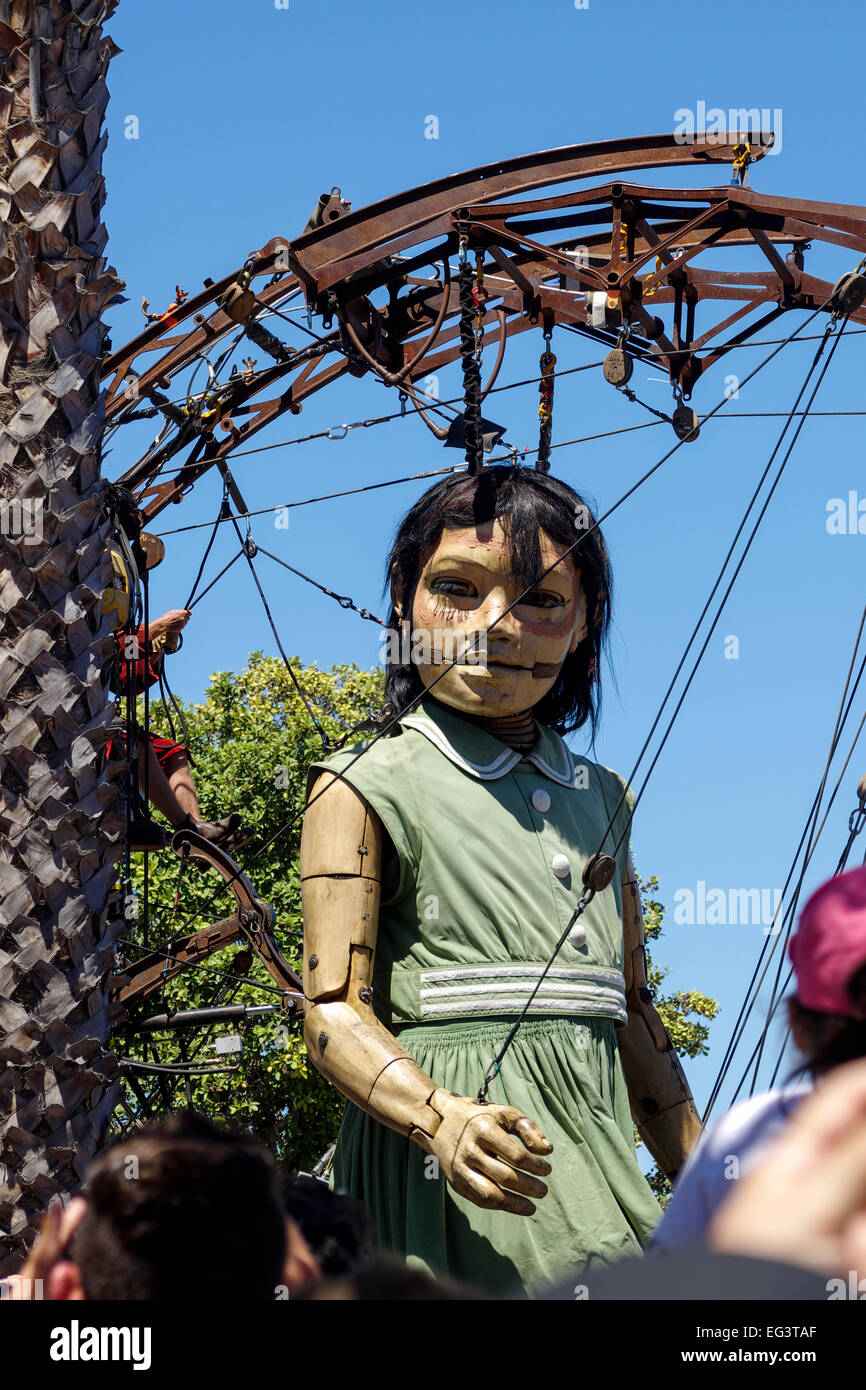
229 834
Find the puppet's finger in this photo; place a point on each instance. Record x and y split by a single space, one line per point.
502 1145
528 1132
507 1177
484 1193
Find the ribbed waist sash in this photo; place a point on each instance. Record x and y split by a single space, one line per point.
501 990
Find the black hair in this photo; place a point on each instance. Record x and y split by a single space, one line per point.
829 1040
333 1224
526 502
386 1278
181 1208
126 515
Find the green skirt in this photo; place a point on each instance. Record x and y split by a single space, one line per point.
566 1075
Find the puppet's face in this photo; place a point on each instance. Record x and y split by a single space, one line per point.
464 587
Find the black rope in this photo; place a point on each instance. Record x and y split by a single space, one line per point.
223 514
731 582
343 599
207 969
326 497
176 1068
783 1049
168 699
756 981
636 400
436 406
471 370
496 1065
191 603
812 837
248 549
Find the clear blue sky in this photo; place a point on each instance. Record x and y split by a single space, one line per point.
248 112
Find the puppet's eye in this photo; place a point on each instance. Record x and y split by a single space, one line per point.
459 587
544 599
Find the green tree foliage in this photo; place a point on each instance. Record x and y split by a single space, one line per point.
680 1012
253 742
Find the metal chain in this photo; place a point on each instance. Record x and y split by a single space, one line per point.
546 364
471 358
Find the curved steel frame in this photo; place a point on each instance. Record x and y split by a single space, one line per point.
637 246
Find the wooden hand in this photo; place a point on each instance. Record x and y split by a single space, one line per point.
490 1154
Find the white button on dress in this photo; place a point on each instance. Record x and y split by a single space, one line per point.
541 799
560 865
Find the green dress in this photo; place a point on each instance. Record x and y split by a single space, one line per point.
481 876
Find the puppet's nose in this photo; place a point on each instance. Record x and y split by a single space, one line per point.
496 611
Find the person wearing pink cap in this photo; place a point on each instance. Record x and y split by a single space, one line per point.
827 1017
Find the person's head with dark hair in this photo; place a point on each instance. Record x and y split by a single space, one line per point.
827 1013
181 1209
335 1227
463 553
388 1279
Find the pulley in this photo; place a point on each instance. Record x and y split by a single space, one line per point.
618 367
154 549
848 293
238 301
598 871
686 424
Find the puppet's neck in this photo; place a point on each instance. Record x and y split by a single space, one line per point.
516 731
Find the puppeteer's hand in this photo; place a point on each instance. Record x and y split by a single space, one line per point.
59 1225
173 621
490 1153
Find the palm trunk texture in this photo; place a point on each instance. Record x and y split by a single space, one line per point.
61 819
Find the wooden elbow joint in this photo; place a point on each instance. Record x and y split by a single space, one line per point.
640 1005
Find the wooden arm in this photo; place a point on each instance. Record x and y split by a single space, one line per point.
341 872
661 1102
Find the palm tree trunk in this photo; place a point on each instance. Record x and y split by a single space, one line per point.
61 821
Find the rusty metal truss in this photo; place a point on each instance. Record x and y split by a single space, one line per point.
621 263
141 990
252 923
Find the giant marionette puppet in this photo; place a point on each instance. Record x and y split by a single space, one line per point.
441 867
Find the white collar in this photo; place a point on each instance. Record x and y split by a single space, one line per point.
479 753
